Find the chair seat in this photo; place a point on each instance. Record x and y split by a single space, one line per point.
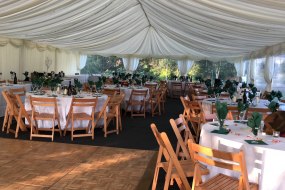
135 102
221 181
81 115
188 167
43 115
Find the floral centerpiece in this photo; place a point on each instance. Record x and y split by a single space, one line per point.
242 107
78 85
254 122
273 94
222 111
216 90
39 81
52 82
26 74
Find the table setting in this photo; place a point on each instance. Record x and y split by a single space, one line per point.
264 153
64 102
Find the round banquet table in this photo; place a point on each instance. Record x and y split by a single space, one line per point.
63 104
265 163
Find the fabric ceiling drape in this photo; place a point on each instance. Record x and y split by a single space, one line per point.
131 64
252 65
269 68
149 28
184 66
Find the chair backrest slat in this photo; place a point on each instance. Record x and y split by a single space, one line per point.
228 160
179 126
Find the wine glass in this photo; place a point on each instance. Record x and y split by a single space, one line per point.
241 115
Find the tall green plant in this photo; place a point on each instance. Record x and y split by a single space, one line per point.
254 122
222 111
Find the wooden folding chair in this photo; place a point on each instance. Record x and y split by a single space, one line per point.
154 101
151 86
78 112
102 114
221 159
44 109
163 98
264 111
137 100
195 117
187 88
22 114
185 102
167 160
114 112
9 111
183 133
20 91
233 113
176 89
110 92
198 98
13 111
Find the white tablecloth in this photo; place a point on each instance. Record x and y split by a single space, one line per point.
4 87
265 163
63 103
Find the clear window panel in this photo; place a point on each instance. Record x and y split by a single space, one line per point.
278 81
259 81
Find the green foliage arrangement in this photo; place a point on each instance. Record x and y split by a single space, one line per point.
274 94
208 83
115 80
222 111
273 105
77 84
254 122
53 81
91 83
242 107
48 81
243 85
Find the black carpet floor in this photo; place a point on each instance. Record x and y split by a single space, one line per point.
136 133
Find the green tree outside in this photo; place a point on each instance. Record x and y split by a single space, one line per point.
161 69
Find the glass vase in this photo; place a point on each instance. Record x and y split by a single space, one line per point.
221 121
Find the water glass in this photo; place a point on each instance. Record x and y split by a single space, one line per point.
276 134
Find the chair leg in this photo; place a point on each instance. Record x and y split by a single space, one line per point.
117 121
120 120
32 127
6 118
105 124
52 133
167 177
18 124
155 177
9 123
59 127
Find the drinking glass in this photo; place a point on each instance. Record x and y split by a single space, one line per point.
241 115
276 134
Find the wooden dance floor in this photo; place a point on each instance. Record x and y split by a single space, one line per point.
48 165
